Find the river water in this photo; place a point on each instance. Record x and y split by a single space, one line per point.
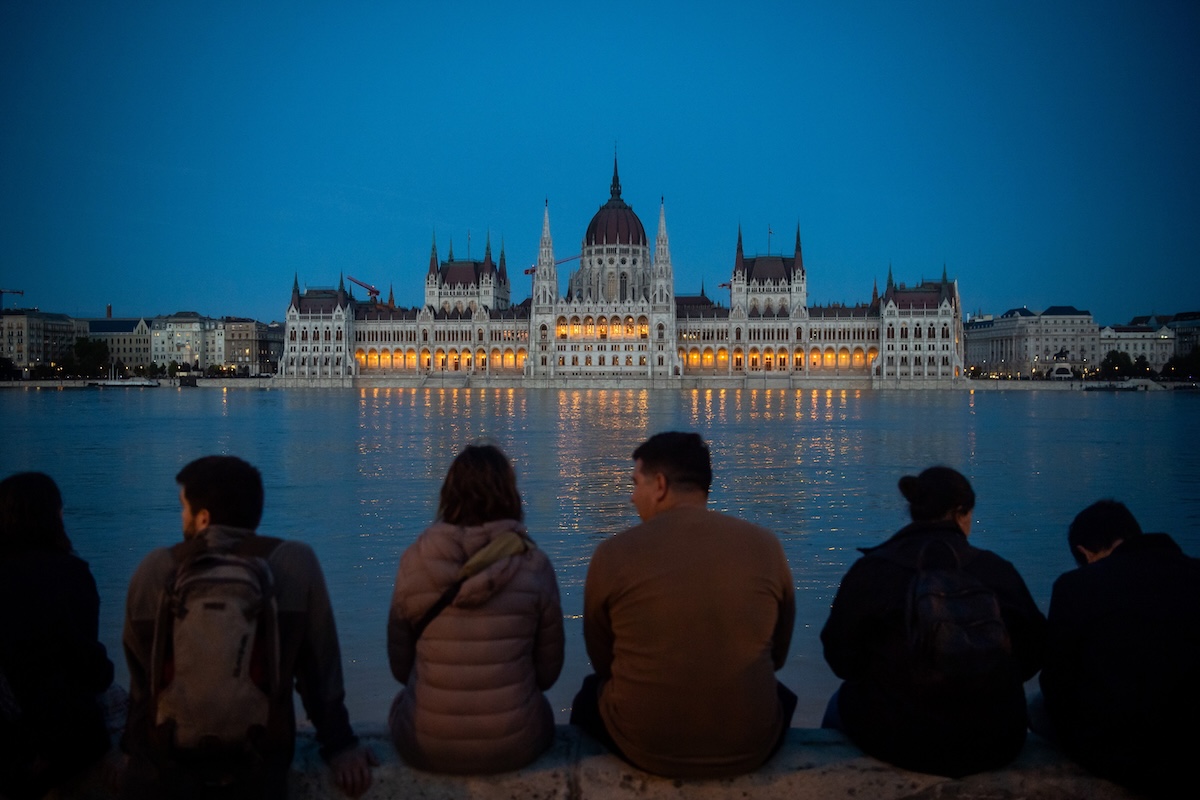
355 473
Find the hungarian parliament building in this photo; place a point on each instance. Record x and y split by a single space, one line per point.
621 323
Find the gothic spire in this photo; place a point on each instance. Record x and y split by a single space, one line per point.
615 189
433 261
738 264
799 254
296 291
503 268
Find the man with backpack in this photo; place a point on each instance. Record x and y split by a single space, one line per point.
934 639
218 628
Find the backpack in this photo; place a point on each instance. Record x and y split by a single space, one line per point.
215 657
957 638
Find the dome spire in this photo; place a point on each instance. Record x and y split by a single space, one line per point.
615 189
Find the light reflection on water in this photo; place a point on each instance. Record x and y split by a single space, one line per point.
356 474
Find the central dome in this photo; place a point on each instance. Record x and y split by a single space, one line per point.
615 222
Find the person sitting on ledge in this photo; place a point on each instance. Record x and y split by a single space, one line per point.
475 630
933 639
1123 655
52 664
219 628
686 618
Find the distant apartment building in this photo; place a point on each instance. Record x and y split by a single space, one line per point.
1024 343
252 348
1185 326
180 338
31 338
1156 343
128 339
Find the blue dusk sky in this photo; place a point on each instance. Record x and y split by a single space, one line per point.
162 156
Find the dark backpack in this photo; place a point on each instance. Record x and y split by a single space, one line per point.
215 658
957 638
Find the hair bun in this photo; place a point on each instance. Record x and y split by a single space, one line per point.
911 488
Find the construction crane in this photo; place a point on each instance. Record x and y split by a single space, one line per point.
9 291
533 269
372 292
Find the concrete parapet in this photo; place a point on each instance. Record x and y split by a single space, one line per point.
813 763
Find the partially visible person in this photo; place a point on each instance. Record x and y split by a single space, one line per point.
686 617
475 630
185 736
909 697
52 664
1121 683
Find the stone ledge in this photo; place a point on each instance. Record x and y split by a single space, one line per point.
813 763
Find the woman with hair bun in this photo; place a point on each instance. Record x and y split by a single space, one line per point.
475 630
934 639
52 664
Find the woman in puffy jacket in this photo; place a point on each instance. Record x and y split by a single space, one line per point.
474 671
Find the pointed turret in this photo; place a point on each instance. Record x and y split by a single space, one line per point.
875 293
799 253
738 262
433 259
296 291
503 268
615 189
890 284
488 266
944 278
545 277
341 294
391 297
662 245
450 257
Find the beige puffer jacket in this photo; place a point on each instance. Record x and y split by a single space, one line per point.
474 702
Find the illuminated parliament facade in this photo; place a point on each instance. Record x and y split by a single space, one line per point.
621 323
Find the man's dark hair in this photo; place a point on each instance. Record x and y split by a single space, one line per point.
31 515
1099 526
682 458
480 487
228 488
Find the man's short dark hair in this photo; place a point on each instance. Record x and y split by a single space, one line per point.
228 488
682 458
1099 526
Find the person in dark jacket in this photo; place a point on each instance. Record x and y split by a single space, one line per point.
52 664
885 705
1123 655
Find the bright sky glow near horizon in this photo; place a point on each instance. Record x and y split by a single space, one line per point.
170 156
